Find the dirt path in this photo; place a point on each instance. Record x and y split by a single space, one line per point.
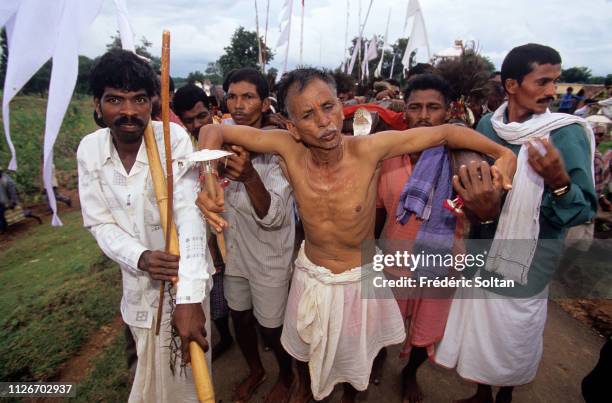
77 368
571 350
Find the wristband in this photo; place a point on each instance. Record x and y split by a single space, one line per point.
562 191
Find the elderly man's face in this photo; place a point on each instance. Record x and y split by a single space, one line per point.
537 90
126 113
315 115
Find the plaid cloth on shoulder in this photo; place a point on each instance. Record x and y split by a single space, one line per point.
424 195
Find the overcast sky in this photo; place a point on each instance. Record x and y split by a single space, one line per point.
580 30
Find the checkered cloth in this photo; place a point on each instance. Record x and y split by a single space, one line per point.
218 304
424 195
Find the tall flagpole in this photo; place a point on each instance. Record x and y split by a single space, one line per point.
378 71
346 34
302 35
267 18
259 55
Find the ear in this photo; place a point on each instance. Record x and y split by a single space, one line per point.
293 130
447 116
512 86
265 105
97 106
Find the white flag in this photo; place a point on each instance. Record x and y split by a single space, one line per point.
37 31
354 56
125 29
371 53
413 8
417 40
378 71
285 37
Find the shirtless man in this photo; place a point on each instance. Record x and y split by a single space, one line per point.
334 178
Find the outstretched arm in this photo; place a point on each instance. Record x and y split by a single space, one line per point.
389 144
255 140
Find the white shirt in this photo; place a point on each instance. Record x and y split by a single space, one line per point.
121 212
260 249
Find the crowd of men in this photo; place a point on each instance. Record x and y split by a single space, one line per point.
302 170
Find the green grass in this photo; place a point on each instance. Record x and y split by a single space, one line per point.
56 290
27 124
108 379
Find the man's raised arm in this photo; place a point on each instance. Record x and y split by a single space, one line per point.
389 144
255 140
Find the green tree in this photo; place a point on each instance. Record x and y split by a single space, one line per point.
142 49
243 52
196 76
85 66
576 75
213 73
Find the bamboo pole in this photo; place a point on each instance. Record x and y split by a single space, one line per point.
163 191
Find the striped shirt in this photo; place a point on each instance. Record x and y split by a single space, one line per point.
260 249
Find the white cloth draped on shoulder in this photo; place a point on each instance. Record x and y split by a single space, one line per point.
520 214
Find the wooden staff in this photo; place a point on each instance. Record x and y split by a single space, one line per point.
163 192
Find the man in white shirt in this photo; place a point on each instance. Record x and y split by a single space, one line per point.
260 240
120 210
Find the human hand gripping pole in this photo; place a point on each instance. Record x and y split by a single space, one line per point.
164 192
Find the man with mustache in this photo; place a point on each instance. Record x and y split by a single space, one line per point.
427 98
330 327
260 239
494 336
120 210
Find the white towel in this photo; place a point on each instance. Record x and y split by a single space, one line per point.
520 214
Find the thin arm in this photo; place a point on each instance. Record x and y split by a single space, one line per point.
389 144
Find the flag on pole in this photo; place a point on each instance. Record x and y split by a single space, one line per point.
259 54
354 56
418 39
413 8
371 53
37 31
302 35
285 27
378 71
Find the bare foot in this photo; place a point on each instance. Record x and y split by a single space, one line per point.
245 390
377 367
411 391
221 347
280 393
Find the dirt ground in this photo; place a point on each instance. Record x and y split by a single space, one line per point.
571 350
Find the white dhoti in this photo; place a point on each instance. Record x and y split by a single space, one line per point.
154 380
494 340
330 325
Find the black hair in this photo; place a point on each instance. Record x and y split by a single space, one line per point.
393 81
187 96
170 82
420 68
428 81
250 75
569 89
520 61
300 78
123 70
344 82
